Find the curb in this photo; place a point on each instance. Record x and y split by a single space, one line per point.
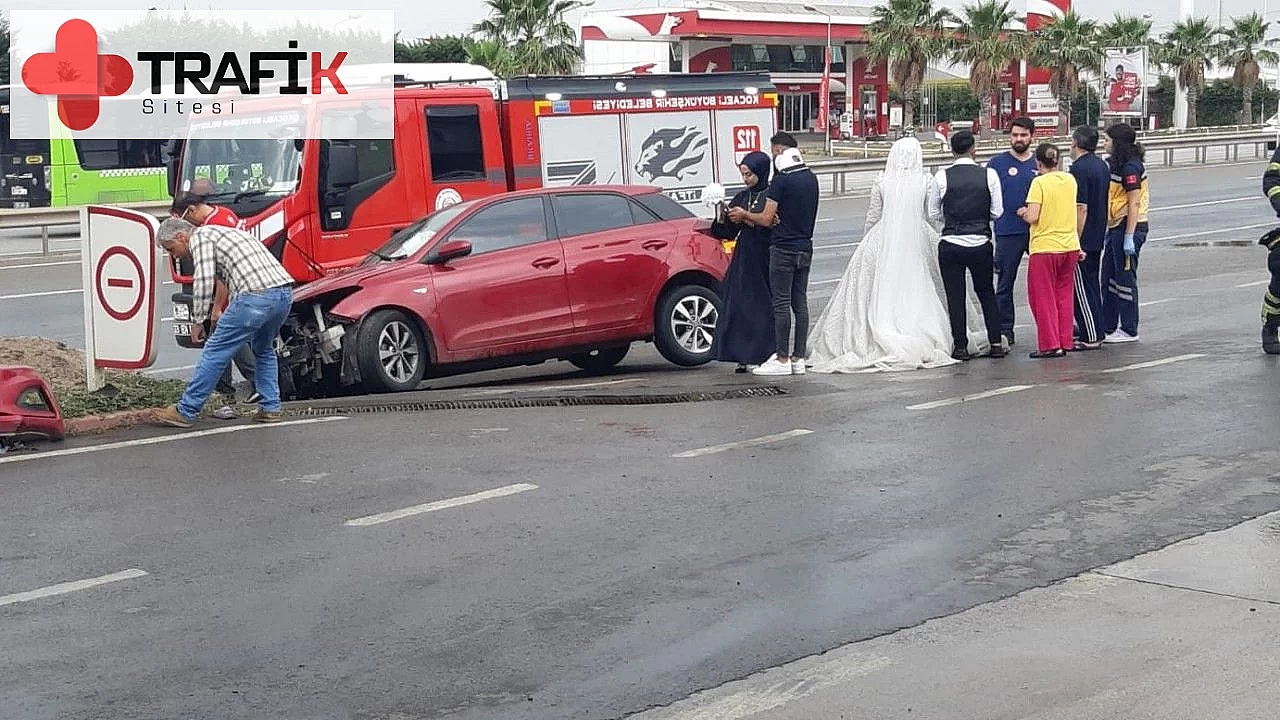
107 422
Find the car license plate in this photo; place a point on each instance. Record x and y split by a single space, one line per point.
21 205
182 329
181 312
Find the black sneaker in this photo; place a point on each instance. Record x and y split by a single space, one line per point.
997 351
1270 339
253 399
961 355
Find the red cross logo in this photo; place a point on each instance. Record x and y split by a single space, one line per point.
77 74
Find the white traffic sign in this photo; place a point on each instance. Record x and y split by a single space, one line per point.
119 261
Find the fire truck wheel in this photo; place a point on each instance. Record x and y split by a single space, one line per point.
685 325
391 351
600 359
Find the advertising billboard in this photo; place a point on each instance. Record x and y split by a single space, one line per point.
1124 72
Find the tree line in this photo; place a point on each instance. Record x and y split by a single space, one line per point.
910 35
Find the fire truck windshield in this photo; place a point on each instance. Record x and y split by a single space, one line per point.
239 168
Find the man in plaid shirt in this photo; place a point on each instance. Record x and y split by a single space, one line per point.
261 297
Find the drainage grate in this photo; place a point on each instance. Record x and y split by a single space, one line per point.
566 401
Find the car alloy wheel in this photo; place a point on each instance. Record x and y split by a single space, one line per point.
398 351
693 322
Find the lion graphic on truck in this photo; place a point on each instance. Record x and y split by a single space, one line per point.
673 153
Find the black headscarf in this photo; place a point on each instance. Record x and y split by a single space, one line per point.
760 164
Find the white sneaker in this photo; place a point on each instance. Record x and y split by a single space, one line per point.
798 366
1120 336
773 366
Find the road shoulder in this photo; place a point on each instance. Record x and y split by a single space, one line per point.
1187 631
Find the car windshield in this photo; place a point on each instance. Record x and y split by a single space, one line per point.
236 167
416 236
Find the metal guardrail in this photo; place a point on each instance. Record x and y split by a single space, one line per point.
840 171
47 217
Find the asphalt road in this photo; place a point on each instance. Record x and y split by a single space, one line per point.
1190 204
592 562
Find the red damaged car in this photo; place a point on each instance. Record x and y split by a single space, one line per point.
572 273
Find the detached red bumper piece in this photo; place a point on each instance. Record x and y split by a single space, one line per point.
27 406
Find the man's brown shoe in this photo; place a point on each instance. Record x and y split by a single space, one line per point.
171 417
268 417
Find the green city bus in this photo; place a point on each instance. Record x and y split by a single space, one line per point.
65 172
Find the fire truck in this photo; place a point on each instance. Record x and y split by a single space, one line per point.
322 206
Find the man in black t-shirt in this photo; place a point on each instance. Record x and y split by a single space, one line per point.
791 209
1093 180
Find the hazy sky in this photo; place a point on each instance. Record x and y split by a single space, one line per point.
427 17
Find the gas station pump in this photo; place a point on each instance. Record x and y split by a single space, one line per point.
870 111
1004 113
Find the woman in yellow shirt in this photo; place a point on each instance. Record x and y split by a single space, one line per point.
1054 250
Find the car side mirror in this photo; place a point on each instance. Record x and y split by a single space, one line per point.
449 250
343 167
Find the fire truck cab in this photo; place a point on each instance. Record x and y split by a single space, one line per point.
324 205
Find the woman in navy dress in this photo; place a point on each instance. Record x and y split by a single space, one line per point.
744 332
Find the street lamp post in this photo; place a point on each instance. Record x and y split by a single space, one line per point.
824 89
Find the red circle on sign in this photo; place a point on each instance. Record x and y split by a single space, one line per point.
98 279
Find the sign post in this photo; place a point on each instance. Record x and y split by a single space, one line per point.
118 264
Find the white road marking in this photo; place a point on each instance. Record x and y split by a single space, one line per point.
754 442
1153 363
826 220
1156 302
440 505
1205 203
307 479
46 293
837 246
39 265
161 439
1213 232
970 398
1254 284
70 587
825 282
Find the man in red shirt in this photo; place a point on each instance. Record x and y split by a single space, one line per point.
1123 91
193 208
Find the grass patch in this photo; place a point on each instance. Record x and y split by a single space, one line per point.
122 391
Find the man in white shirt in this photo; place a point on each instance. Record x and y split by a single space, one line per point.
966 199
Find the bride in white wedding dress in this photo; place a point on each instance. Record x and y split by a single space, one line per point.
888 312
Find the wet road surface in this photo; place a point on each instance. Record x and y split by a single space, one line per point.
592 562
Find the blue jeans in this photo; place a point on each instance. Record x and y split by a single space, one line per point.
253 318
1009 252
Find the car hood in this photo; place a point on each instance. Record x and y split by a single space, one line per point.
344 279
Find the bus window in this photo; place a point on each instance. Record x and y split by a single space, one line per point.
116 154
23 147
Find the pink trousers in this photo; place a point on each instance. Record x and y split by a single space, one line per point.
1050 290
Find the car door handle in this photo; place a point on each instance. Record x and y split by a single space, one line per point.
546 262
654 244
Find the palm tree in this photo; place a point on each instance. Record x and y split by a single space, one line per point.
984 43
907 35
1125 31
1066 47
494 55
1242 49
1189 49
540 39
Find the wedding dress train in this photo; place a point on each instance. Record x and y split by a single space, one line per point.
888 311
